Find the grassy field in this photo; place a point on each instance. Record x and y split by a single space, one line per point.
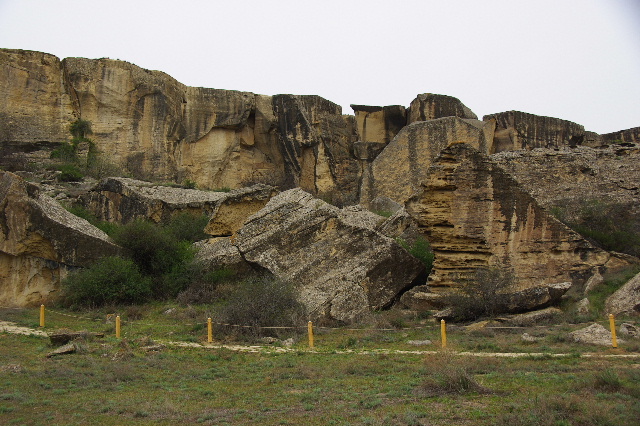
345 381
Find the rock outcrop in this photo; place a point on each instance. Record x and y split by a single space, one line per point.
625 300
40 242
157 128
123 200
564 176
517 130
343 266
400 169
429 106
476 216
624 136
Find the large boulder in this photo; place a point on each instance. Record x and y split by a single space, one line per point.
476 216
123 200
595 334
40 242
344 268
625 300
401 167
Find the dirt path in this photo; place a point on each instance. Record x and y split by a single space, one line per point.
9 327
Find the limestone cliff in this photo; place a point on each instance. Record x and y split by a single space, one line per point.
475 215
157 128
624 136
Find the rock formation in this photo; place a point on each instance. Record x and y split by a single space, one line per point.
123 200
476 216
624 136
40 242
343 266
157 128
429 106
517 130
400 169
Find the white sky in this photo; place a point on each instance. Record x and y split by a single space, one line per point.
577 60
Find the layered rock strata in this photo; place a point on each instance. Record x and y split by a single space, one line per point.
400 169
343 267
624 136
40 242
477 216
430 106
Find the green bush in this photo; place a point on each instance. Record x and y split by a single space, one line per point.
65 152
187 227
421 250
261 301
112 280
70 173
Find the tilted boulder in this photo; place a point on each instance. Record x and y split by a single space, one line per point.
123 200
40 242
476 216
401 167
343 267
625 300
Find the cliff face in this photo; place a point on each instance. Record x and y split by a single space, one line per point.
476 216
157 128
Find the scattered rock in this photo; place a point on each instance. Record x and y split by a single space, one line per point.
526 337
62 337
595 334
542 316
630 330
419 342
69 348
593 282
583 307
625 300
288 342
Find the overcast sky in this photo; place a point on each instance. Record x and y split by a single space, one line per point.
577 60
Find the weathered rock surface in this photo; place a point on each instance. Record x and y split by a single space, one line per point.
624 136
517 130
158 128
595 334
123 200
402 166
39 242
629 330
625 300
543 316
379 124
476 216
557 178
344 268
429 106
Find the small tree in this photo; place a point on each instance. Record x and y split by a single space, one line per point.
79 129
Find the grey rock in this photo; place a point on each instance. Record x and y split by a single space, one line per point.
69 348
630 330
583 307
419 342
625 300
595 334
548 315
593 282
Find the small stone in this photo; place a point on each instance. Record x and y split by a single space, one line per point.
69 348
630 330
526 337
419 342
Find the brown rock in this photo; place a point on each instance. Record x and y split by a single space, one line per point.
379 124
624 136
476 216
429 106
517 130
39 242
398 171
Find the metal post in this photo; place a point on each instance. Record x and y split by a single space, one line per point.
118 326
612 325
209 331
310 330
41 315
443 333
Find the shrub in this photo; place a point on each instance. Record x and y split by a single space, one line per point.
65 152
421 250
111 280
79 129
445 374
261 301
187 227
480 294
70 173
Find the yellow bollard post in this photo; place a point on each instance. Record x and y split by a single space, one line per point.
209 331
612 325
310 330
118 326
41 315
443 333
